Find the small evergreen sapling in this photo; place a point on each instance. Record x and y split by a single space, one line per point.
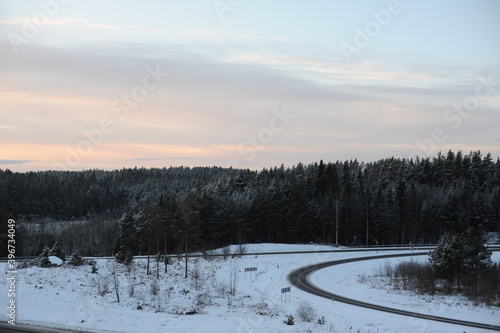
43 258
76 260
124 256
290 320
58 252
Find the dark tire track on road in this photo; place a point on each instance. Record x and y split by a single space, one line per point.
300 279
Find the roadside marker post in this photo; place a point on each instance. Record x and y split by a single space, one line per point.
284 291
251 269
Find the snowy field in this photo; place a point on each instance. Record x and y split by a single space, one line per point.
75 298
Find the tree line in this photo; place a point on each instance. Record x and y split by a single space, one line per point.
389 201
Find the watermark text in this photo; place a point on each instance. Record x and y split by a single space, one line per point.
12 273
455 115
121 107
31 27
255 143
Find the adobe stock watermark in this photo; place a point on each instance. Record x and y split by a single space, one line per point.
121 107
222 7
372 29
11 271
253 144
455 115
31 27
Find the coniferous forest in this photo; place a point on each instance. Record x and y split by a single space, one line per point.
391 201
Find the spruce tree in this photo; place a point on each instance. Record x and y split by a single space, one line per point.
446 258
56 250
123 256
458 255
476 256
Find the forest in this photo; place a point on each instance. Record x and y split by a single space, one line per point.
177 209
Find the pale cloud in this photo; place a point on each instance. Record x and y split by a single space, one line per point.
7 127
162 158
11 162
93 32
225 80
207 107
338 71
67 22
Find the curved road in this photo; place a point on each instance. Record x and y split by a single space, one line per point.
8 328
300 279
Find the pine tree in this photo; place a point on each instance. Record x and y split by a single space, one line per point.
321 180
130 234
447 257
476 256
123 256
190 224
43 259
400 208
458 255
57 251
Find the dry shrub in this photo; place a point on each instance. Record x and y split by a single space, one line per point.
306 312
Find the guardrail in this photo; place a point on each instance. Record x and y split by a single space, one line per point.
200 255
393 247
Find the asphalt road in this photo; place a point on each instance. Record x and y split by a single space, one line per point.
8 328
300 279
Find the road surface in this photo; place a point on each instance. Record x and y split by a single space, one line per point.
8 328
300 279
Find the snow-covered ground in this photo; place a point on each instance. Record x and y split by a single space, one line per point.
75 298
362 281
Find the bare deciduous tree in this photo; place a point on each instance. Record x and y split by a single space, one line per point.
116 280
196 273
234 267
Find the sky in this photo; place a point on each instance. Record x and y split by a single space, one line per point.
88 84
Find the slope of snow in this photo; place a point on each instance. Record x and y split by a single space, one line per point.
74 298
362 281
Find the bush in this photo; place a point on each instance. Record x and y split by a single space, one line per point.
242 249
415 276
57 251
131 287
306 312
76 260
290 320
123 256
101 283
154 287
43 259
482 287
226 252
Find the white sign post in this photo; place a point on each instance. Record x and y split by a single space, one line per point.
284 291
251 269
